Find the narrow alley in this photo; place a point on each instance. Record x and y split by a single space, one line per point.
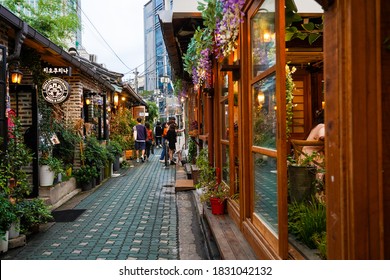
134 216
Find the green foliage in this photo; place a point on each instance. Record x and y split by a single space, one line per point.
85 174
307 221
290 87
177 87
94 153
68 140
152 110
147 94
211 10
220 191
307 161
7 214
207 172
55 19
114 149
192 150
320 241
17 156
310 30
386 42
121 128
34 212
55 165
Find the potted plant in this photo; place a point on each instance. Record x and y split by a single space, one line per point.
34 213
95 155
7 217
114 150
302 177
203 174
49 168
217 196
13 177
307 222
85 177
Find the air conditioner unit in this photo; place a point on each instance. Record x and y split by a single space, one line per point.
93 57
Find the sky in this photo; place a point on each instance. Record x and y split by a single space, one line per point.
120 23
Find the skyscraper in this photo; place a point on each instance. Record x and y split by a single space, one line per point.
157 66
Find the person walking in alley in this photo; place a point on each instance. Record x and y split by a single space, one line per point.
158 131
149 140
171 138
140 135
164 133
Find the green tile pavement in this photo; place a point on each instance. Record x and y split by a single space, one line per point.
132 216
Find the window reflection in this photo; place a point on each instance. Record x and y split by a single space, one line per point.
225 164
263 38
225 120
265 198
264 113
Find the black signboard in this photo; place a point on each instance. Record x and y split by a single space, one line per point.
58 70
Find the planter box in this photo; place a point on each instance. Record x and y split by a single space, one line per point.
195 174
301 182
129 154
59 193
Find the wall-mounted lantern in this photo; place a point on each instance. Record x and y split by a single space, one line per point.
88 100
16 75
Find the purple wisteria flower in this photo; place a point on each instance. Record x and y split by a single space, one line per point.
227 28
201 75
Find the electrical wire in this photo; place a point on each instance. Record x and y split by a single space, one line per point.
104 40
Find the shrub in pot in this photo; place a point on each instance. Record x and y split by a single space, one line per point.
85 177
302 178
7 214
114 152
34 212
49 168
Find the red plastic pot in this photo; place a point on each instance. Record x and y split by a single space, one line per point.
217 208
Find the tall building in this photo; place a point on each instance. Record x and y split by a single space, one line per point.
157 66
76 5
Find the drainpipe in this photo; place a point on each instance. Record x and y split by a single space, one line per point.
19 39
20 36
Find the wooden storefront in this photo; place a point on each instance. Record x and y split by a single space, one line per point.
349 83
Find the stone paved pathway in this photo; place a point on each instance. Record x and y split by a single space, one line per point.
133 216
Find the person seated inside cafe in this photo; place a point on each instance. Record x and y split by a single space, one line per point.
316 134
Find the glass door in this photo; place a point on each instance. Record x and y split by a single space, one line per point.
267 100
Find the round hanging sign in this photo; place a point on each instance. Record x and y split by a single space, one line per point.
55 90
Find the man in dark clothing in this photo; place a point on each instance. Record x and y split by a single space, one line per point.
140 135
158 130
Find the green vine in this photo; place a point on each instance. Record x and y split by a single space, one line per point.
290 87
310 30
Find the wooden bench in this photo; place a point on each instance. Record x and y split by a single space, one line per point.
229 239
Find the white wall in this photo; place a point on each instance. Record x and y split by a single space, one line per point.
308 6
185 5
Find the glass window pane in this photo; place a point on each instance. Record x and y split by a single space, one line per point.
263 45
225 85
265 198
264 113
225 119
225 164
